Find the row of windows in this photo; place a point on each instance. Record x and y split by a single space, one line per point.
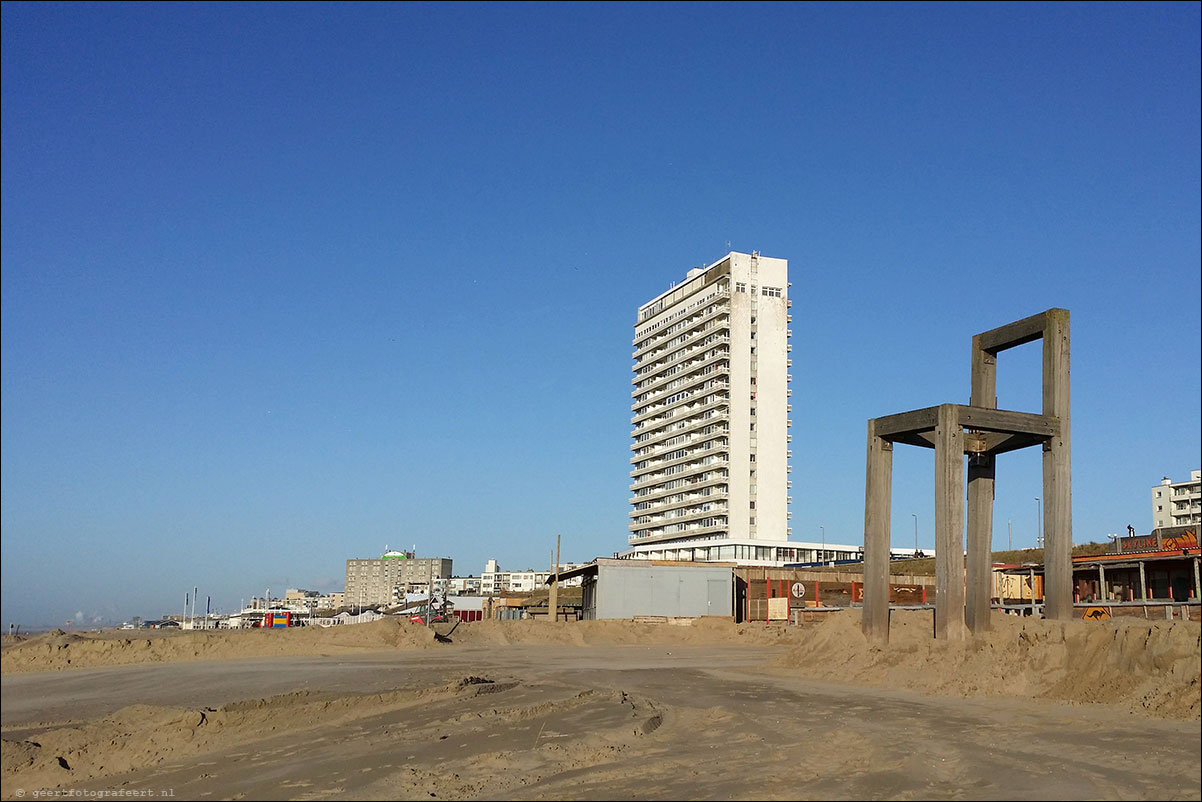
672 484
682 512
682 439
681 453
683 380
653 366
682 326
655 430
668 414
683 394
677 498
716 352
659 306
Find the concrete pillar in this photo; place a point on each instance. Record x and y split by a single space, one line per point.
980 541
1102 595
949 524
878 481
1143 583
1057 472
981 474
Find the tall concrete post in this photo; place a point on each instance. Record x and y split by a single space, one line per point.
981 475
878 482
1057 471
949 524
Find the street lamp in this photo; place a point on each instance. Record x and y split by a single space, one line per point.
822 556
917 553
1038 522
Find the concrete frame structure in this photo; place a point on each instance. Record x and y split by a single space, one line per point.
981 431
710 411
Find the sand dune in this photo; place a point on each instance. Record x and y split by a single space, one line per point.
604 710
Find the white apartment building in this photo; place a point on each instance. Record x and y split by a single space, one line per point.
710 413
459 586
1177 503
494 581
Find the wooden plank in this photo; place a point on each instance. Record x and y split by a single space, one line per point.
874 621
917 420
1001 443
978 576
981 475
914 427
1057 473
949 525
920 439
1008 421
1011 335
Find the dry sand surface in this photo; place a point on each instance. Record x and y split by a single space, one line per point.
610 710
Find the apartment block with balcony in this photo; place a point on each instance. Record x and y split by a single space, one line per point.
388 579
1177 503
494 581
710 413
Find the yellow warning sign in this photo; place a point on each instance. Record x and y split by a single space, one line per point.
1096 614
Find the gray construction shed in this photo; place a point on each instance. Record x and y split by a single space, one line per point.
632 588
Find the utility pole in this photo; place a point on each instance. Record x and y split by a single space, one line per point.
1009 534
430 592
917 553
1038 522
553 594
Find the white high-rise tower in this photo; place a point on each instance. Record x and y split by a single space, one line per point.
711 415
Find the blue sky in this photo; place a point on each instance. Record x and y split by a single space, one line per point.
284 284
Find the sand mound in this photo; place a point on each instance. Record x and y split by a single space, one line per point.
139 737
702 631
1147 667
55 651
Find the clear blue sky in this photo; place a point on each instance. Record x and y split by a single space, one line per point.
285 284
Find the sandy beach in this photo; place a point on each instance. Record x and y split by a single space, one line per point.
609 710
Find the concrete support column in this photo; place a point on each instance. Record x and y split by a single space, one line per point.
981 488
978 606
949 525
878 482
1057 472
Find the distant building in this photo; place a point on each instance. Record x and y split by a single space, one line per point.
1177 503
494 581
386 580
302 598
460 586
298 599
